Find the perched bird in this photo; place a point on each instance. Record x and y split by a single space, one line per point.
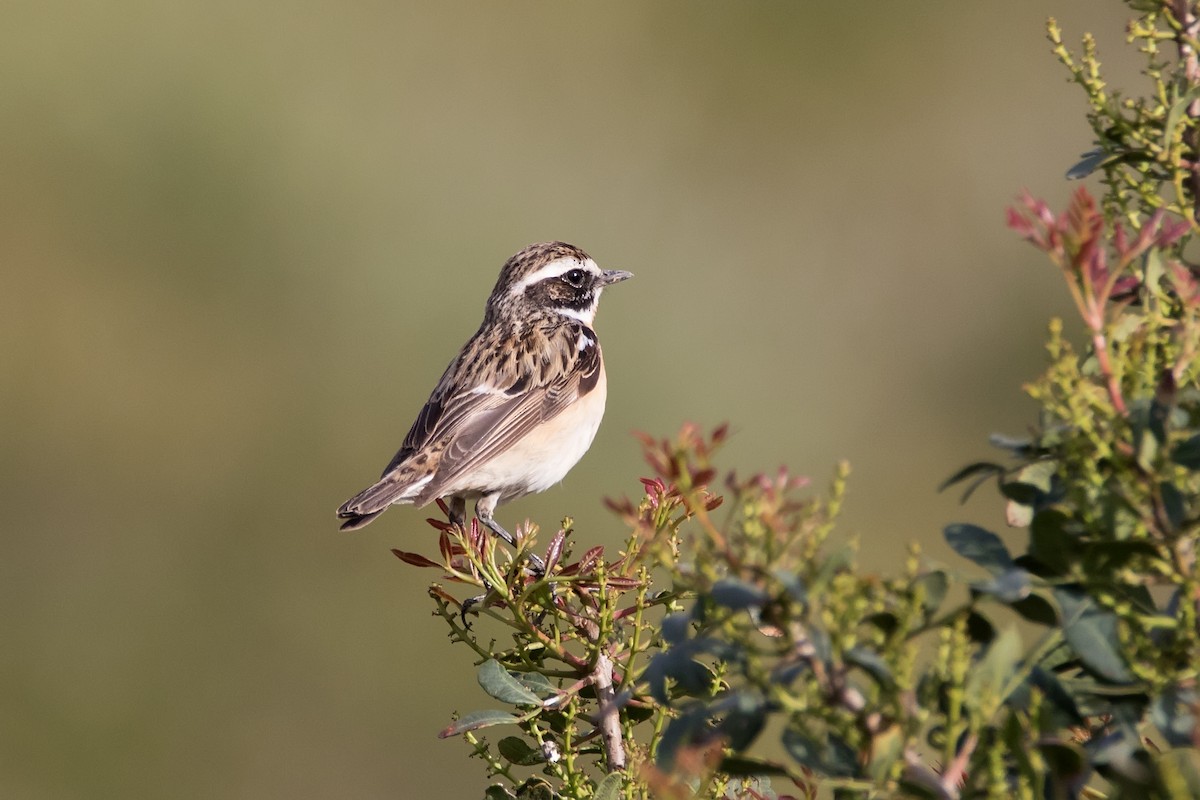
519 405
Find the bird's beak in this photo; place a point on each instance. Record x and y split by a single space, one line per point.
614 276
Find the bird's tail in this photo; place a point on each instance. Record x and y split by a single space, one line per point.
368 504
355 521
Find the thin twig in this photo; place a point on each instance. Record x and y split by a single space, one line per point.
1189 27
1100 346
609 722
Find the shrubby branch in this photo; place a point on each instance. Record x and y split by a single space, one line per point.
731 649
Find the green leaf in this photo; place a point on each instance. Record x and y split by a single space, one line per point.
1175 505
836 562
536 789
680 732
496 681
979 628
1088 163
1127 324
1039 475
1180 771
981 546
1175 115
832 757
737 595
990 678
1022 447
1064 759
742 725
1036 608
871 663
1147 450
1008 587
476 720
884 620
537 683
675 627
1020 493
1172 714
886 747
1059 699
980 471
609 788
935 584
1028 492
1104 557
690 676
1092 633
1149 417
1187 453
744 765
498 792
1154 269
517 751
1053 540
793 584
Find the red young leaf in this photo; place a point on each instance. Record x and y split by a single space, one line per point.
622 583
437 591
623 506
554 551
1185 283
416 559
587 564
720 432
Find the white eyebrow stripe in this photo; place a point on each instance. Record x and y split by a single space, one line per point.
553 270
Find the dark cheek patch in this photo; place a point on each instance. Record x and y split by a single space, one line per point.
549 293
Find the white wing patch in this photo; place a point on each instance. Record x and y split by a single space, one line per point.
414 489
584 342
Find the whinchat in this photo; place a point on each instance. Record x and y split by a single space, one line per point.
518 406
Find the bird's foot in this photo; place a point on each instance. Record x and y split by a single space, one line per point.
471 602
536 565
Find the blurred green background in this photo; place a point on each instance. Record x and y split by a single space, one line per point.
242 240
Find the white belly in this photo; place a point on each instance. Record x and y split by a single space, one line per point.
545 455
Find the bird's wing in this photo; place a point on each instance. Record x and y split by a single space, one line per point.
483 418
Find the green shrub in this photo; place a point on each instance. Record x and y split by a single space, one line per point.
728 619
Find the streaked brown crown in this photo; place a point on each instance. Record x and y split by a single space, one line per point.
576 290
533 258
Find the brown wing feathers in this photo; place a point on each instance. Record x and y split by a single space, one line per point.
558 383
479 408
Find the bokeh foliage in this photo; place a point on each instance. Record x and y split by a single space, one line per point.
730 617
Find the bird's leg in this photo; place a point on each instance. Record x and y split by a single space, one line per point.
458 516
484 508
458 512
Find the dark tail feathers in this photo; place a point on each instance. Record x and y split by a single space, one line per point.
368 504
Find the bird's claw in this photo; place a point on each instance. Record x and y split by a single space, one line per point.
467 605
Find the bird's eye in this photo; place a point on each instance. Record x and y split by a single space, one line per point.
574 277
